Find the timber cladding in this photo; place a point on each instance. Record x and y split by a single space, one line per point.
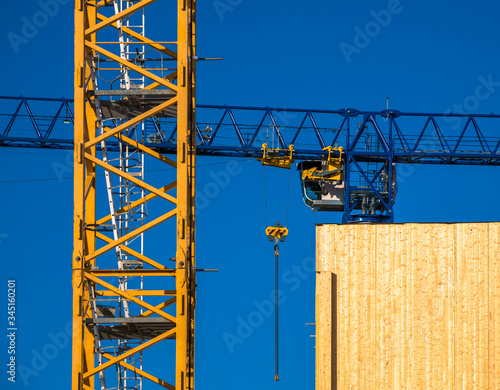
408 306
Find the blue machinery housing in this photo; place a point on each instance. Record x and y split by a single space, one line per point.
374 142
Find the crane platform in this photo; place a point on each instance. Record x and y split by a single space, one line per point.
133 328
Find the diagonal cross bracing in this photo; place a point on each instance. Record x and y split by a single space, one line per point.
130 178
139 202
129 353
132 252
159 307
142 38
131 65
118 16
143 373
130 297
131 123
131 235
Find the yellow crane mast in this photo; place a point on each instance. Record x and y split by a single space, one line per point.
118 85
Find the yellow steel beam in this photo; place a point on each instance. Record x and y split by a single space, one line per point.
131 65
143 373
80 246
90 184
133 252
105 68
140 183
129 297
134 272
131 235
129 353
138 202
155 85
186 151
155 293
131 123
90 213
126 12
161 306
102 3
132 43
142 38
146 150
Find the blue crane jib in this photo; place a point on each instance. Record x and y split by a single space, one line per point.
346 158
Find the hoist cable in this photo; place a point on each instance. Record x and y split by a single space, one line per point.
276 316
288 198
265 193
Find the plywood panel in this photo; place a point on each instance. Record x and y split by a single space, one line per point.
494 306
471 326
325 352
417 305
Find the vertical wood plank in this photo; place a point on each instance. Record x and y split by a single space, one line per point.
472 307
384 282
325 352
494 305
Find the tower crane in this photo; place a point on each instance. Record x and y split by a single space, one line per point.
373 144
135 102
359 176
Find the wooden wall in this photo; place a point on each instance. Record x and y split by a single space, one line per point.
415 306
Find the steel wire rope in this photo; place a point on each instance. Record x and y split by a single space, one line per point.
265 195
276 318
288 198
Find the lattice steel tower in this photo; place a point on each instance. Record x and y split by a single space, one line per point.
130 88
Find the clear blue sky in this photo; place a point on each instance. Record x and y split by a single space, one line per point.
424 55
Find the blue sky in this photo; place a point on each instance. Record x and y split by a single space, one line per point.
426 56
